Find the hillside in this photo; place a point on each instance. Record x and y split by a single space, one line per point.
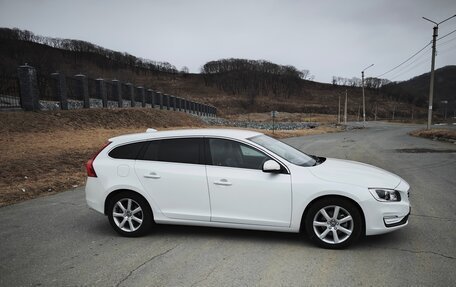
253 86
417 89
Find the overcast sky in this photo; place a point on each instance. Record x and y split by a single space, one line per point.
326 37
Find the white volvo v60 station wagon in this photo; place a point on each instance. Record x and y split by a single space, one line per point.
241 179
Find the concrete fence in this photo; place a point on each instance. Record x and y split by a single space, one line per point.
79 91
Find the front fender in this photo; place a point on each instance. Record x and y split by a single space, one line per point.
307 189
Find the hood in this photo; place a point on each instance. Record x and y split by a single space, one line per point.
355 173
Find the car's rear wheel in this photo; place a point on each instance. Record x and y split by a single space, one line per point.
130 214
334 223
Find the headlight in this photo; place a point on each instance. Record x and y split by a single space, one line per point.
383 194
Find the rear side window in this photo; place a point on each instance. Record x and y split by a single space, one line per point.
185 150
128 151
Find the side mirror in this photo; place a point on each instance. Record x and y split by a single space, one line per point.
271 166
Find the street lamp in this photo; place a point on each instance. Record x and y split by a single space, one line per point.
364 99
431 86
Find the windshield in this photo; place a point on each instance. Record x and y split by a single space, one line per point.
283 150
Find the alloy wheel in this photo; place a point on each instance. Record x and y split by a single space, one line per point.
127 215
333 224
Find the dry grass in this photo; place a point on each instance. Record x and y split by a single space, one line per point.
45 153
35 164
443 134
46 121
45 162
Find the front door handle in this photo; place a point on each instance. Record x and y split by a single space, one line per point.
152 175
223 182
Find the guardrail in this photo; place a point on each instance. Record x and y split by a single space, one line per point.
33 92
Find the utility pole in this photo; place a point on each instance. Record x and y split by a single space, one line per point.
273 114
445 102
345 108
364 98
376 109
431 86
338 112
357 119
394 110
273 122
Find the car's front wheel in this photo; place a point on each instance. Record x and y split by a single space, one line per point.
130 214
334 223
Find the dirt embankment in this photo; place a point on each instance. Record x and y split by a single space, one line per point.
441 134
46 121
43 153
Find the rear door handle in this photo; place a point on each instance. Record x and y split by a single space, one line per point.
152 175
223 182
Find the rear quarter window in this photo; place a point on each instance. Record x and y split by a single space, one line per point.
128 151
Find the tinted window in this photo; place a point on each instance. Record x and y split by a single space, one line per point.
129 151
234 154
151 151
175 150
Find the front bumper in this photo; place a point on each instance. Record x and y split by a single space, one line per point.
393 221
383 217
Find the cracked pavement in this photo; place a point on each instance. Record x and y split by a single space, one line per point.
58 241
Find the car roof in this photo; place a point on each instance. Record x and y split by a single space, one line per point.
229 133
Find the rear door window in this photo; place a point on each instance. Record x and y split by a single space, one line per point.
182 150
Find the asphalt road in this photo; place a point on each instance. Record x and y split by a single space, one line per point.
58 241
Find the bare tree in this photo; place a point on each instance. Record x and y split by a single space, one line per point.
86 47
253 77
184 70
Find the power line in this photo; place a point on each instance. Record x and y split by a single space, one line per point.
408 59
443 51
410 65
416 65
418 57
419 61
446 42
448 34
406 67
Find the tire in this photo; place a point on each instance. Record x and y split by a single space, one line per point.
331 232
130 214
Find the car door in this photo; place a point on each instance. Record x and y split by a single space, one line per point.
173 173
240 192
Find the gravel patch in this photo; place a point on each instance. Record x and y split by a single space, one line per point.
259 125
